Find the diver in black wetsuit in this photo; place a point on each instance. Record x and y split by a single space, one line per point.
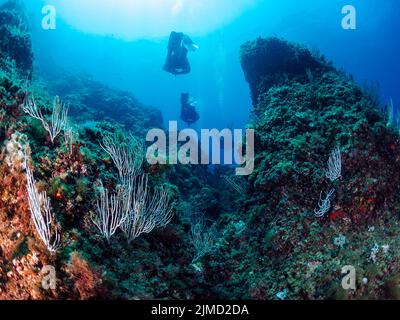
177 63
188 111
178 46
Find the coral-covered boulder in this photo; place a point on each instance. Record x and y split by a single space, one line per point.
298 121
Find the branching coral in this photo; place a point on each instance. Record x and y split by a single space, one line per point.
112 211
324 205
70 139
132 209
126 153
146 212
235 185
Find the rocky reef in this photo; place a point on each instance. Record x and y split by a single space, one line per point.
324 193
69 169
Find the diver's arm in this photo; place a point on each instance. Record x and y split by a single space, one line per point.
189 44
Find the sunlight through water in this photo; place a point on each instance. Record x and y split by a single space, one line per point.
133 19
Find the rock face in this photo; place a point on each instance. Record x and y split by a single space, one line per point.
303 109
270 244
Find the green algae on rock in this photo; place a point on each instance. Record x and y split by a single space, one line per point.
303 108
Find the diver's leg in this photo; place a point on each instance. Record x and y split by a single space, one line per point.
167 64
171 63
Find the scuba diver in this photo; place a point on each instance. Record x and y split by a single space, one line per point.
188 111
178 46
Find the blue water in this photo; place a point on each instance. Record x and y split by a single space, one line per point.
131 55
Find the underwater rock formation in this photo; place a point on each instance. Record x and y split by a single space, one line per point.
303 109
69 171
257 237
